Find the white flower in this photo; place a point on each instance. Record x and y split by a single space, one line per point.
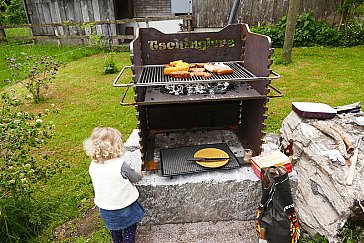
38 121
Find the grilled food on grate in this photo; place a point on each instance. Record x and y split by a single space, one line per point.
219 68
178 69
180 74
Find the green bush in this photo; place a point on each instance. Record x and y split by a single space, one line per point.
13 12
274 31
353 231
110 66
354 33
326 35
40 72
314 239
22 167
312 32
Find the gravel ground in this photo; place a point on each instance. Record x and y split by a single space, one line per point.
209 232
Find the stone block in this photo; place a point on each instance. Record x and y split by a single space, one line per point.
202 197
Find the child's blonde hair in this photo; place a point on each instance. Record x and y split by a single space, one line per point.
105 143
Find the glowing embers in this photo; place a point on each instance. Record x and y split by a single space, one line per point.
202 88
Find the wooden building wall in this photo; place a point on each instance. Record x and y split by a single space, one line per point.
215 13
58 11
205 13
146 8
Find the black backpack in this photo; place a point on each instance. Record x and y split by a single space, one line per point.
277 221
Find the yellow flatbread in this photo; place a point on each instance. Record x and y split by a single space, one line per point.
212 153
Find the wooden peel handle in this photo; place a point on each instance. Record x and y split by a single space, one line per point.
350 178
354 160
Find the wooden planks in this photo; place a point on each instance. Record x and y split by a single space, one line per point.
68 11
146 8
215 13
205 13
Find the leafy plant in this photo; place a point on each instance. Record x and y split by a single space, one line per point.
110 66
312 32
352 232
305 30
22 167
94 38
275 31
315 239
354 33
12 12
42 70
348 10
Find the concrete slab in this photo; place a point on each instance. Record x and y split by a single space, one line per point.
203 232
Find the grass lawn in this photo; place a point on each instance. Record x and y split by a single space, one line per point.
87 99
334 76
64 54
18 32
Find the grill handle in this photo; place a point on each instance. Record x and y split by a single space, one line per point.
115 83
124 95
276 75
280 93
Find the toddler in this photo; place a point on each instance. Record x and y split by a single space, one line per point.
112 179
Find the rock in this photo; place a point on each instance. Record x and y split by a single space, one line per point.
323 199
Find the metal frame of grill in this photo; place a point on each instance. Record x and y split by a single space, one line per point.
152 75
241 111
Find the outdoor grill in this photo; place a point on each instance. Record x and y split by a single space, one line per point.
189 109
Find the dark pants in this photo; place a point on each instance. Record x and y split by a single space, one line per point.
126 235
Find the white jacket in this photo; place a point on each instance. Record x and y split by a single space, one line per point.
112 191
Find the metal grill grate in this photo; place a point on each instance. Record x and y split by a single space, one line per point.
174 160
153 75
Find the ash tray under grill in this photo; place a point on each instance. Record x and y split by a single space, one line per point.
208 156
